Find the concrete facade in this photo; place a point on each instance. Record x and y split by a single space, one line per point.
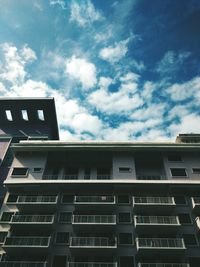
102 204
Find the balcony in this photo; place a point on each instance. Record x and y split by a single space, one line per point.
32 203
163 265
26 244
60 177
85 221
156 224
32 221
22 264
91 264
160 246
105 201
153 204
196 204
149 177
93 244
104 177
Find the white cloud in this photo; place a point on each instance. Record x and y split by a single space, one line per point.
188 123
114 53
12 69
61 3
183 91
121 102
84 13
148 90
82 70
152 111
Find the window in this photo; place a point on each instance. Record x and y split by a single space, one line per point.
67 199
190 240
123 199
24 115
125 238
37 170
19 172
124 169
196 170
180 200
12 199
9 115
62 238
65 217
178 172
6 216
174 158
2 237
87 174
124 217
184 218
40 113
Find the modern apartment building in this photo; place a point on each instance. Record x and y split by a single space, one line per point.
102 204
24 119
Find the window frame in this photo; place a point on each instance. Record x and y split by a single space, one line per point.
179 176
20 175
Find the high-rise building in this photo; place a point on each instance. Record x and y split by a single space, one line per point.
102 204
24 119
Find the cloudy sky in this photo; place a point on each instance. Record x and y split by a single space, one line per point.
118 69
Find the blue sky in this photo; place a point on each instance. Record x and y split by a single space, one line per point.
119 70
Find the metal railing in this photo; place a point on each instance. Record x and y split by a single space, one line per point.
154 200
94 219
196 200
22 264
60 177
94 199
103 176
149 177
163 265
156 220
160 243
91 264
37 199
26 241
93 242
32 218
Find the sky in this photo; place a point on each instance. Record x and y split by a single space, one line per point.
118 69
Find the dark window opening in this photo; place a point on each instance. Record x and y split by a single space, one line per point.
125 239
123 199
62 238
3 236
124 169
37 169
19 171
124 217
190 240
6 216
178 172
184 218
180 200
65 217
67 199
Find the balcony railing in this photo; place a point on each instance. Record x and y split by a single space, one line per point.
27 241
103 176
154 200
94 219
163 265
157 220
37 199
91 264
160 243
60 177
196 200
22 264
95 199
32 218
149 177
103 242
